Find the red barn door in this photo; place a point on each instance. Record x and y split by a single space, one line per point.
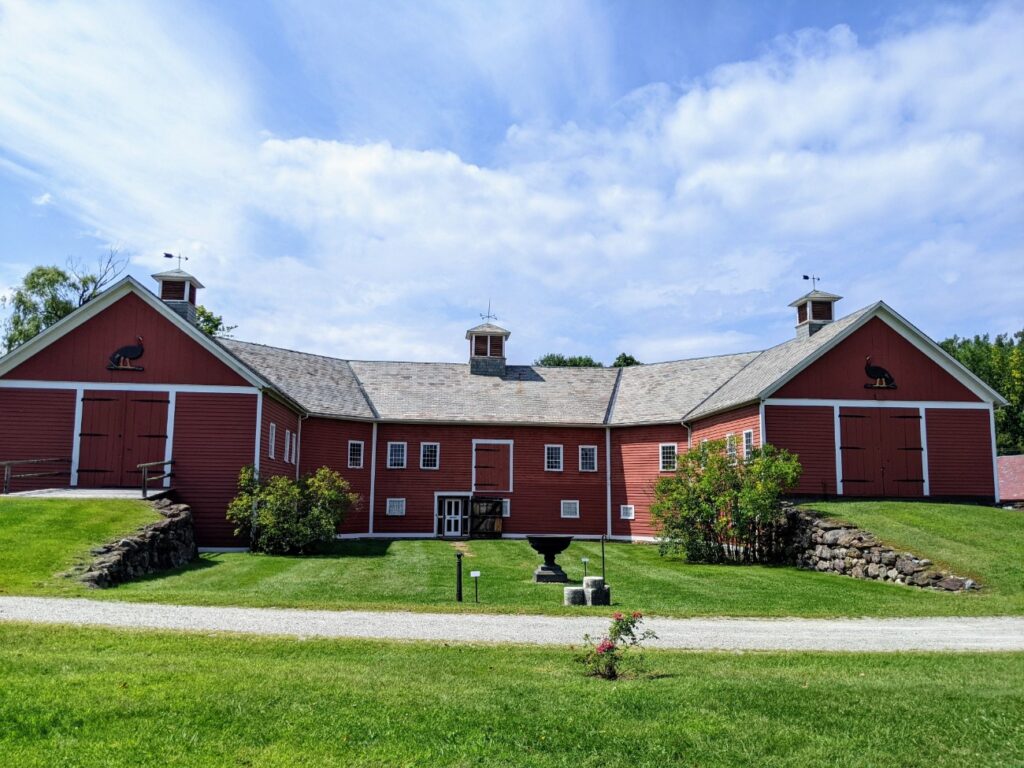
492 468
881 452
120 430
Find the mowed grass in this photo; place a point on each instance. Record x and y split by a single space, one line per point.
982 542
93 697
43 537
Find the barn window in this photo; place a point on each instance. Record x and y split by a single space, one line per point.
287 446
395 508
506 507
552 458
355 454
295 447
273 439
627 512
588 458
396 455
570 508
430 455
668 456
730 447
748 443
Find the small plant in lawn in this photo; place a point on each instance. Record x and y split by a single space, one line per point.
284 516
605 658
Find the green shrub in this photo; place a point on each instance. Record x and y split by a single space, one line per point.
719 509
280 515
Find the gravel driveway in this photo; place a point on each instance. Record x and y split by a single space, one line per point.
925 634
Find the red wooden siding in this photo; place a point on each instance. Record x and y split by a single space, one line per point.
325 444
37 424
170 356
536 496
881 452
214 437
959 453
732 422
120 430
840 373
636 463
809 432
285 418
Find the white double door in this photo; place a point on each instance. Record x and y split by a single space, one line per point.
452 516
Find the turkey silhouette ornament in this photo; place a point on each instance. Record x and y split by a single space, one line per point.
124 358
880 378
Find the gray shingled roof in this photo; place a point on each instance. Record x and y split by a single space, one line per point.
663 392
525 394
448 392
488 328
324 386
771 365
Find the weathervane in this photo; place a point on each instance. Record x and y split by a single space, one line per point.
179 257
489 315
814 281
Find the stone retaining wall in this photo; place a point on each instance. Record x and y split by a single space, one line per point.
160 546
821 544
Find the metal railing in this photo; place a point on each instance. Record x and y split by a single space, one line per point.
147 478
10 465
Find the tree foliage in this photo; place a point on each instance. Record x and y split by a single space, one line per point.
717 509
558 360
625 361
280 515
211 324
49 293
999 363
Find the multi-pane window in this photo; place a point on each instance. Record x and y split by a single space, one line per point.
355 454
287 446
395 508
396 455
748 443
295 447
506 507
430 455
570 508
273 440
668 457
627 511
553 458
588 458
730 447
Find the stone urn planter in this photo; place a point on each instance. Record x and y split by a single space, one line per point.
549 546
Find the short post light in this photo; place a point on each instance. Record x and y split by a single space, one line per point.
475 576
584 560
458 577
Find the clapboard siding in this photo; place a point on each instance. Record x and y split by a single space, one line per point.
809 432
325 444
636 466
37 424
960 453
287 424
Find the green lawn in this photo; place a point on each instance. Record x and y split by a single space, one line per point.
92 697
981 542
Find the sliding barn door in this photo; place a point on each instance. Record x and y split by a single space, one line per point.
120 430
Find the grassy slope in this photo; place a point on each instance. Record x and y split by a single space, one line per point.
419 575
104 698
41 537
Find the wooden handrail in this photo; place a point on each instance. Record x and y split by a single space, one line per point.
146 477
10 464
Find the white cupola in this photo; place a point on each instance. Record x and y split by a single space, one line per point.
487 349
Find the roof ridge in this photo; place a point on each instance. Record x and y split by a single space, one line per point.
362 390
609 413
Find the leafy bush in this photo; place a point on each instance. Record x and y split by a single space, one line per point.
604 658
280 515
719 509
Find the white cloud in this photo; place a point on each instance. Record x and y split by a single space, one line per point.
686 212
44 199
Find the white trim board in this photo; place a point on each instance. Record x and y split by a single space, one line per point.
934 404
105 386
437 497
76 437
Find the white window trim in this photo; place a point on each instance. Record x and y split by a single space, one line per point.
295 447
675 453
594 449
287 446
362 454
405 455
730 447
387 508
506 508
272 438
561 458
569 501
431 469
746 453
627 512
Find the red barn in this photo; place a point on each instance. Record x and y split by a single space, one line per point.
873 407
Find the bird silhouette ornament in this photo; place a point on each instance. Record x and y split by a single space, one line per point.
122 359
880 378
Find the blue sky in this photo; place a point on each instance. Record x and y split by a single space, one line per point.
360 179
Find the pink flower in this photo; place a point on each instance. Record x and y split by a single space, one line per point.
604 646
637 615
617 616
